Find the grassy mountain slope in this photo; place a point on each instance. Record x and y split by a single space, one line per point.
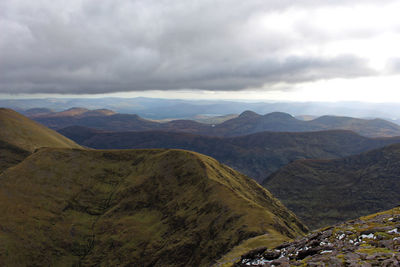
133 207
20 136
256 155
10 155
19 131
323 192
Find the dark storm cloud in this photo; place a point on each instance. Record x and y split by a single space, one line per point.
109 46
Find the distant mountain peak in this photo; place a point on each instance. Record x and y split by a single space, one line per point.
281 115
249 114
99 112
75 111
331 117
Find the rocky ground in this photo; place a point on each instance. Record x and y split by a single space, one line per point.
368 241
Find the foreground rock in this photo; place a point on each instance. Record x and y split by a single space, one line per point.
369 241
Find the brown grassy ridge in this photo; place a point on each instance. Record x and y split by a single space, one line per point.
133 207
20 136
29 135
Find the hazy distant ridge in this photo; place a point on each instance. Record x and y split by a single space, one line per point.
157 108
247 122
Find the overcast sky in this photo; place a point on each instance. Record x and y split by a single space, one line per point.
254 49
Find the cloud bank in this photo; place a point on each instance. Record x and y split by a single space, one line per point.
91 47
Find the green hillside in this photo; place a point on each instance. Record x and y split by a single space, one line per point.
10 155
20 136
324 192
29 135
71 207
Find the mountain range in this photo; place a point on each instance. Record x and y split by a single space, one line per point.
250 122
247 122
67 204
325 192
308 187
256 155
71 206
157 108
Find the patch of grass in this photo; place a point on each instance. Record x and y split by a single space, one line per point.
372 250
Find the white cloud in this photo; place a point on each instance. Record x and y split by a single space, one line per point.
89 46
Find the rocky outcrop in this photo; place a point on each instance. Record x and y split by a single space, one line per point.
369 241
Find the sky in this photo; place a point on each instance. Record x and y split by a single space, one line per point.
303 50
